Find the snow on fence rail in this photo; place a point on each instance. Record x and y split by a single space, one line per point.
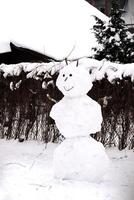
98 69
28 92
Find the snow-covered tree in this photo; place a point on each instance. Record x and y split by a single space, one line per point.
116 43
99 27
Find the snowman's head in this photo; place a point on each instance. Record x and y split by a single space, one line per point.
74 81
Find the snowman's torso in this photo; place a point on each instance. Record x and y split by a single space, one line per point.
77 117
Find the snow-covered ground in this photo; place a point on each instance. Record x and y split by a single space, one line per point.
26 173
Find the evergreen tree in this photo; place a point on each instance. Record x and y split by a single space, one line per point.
99 29
116 43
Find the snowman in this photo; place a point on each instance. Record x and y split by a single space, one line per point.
79 156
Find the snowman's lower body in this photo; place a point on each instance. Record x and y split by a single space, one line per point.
80 158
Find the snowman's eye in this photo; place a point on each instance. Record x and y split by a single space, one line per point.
70 75
63 75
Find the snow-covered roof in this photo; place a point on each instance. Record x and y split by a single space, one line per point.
58 28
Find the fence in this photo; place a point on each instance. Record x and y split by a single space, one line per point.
24 112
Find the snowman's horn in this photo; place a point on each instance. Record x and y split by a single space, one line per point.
66 61
77 63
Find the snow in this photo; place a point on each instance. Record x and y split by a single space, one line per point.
115 38
98 69
102 69
26 173
57 28
33 70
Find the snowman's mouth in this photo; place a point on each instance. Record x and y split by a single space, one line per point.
68 89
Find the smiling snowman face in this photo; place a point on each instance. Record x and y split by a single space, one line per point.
74 81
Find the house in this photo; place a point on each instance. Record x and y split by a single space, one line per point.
126 5
129 14
105 5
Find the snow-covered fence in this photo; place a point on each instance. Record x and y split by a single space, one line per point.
117 102
24 103
28 92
